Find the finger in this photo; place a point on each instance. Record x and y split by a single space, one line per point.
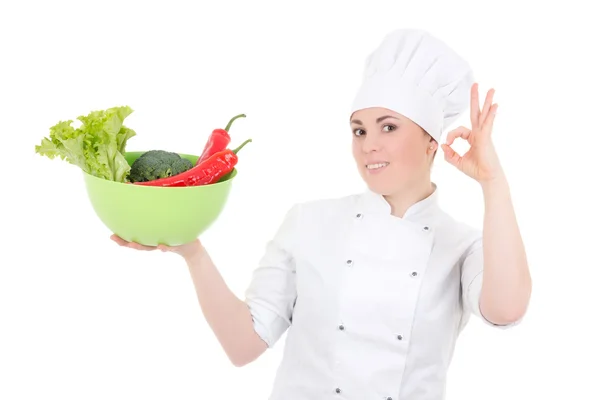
486 105
489 121
118 240
451 156
164 248
132 245
475 105
138 246
461 131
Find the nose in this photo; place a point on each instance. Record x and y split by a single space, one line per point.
371 143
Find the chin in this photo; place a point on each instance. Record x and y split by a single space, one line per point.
384 184
381 188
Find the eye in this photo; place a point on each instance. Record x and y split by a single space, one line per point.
358 132
392 127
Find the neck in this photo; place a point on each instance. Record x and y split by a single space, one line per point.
401 201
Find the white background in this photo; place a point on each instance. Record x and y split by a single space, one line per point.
81 318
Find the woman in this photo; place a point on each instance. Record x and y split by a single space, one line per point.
374 288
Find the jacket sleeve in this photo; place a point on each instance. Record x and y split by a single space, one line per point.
472 280
272 290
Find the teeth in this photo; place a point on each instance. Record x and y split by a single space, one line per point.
375 166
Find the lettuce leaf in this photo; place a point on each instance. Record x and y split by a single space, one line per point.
97 146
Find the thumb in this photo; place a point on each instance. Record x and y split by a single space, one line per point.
164 248
451 156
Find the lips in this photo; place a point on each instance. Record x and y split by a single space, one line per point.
377 165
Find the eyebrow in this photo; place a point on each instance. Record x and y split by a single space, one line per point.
356 121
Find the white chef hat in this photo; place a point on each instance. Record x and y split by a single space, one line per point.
417 75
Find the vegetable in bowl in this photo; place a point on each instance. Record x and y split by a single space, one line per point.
157 164
97 146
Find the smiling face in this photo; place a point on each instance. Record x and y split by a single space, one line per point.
392 152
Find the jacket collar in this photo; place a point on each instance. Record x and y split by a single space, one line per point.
377 204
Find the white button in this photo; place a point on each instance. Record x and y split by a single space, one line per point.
359 216
349 262
414 273
425 228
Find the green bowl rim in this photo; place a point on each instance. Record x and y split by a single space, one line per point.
232 175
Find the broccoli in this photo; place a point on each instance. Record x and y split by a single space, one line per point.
156 164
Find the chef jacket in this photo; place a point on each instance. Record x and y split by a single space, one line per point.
372 303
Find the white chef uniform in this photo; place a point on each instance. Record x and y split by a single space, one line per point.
372 303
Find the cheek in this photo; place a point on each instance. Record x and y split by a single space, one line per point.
356 151
405 154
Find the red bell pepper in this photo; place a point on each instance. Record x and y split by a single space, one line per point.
209 171
218 141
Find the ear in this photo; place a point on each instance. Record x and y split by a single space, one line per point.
433 145
432 148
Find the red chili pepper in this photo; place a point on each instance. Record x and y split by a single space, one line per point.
218 141
210 171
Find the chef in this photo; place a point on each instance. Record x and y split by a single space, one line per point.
374 288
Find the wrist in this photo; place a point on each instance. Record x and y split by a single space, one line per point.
195 254
496 186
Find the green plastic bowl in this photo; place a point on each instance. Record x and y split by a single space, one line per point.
152 215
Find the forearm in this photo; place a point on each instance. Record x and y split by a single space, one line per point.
227 315
506 279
